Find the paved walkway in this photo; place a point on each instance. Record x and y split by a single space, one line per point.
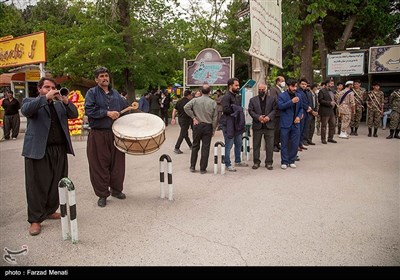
339 207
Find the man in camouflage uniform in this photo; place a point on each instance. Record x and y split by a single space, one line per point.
375 99
394 101
339 88
346 106
359 98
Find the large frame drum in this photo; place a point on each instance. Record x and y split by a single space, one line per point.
138 133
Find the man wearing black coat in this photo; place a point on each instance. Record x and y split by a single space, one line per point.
262 108
326 101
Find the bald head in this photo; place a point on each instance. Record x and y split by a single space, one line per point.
262 87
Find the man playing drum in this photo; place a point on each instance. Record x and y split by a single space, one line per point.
106 162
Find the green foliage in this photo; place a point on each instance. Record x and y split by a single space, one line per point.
82 35
11 21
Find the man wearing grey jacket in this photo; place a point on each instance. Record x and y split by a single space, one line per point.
262 109
46 145
203 111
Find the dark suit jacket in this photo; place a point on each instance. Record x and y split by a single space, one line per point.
324 99
310 101
255 111
38 115
275 92
285 105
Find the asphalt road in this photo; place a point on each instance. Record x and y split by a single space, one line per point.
340 207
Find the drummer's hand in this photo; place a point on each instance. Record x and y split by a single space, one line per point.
173 121
195 121
113 114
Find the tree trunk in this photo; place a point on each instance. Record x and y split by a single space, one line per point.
306 68
347 32
124 20
322 50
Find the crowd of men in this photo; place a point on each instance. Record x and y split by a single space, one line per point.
286 116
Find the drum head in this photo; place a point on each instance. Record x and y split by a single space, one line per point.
139 133
138 125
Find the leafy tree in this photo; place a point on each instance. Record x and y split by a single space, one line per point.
235 39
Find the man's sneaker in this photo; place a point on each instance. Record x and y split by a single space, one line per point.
178 151
343 135
241 164
231 168
292 165
284 166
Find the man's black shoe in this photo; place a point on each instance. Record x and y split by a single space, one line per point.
102 202
332 141
178 151
297 158
256 166
276 149
311 143
269 167
119 195
324 142
203 171
192 169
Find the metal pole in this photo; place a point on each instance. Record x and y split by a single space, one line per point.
64 185
170 186
62 193
72 212
219 143
41 69
184 75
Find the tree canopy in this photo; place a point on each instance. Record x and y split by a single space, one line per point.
143 42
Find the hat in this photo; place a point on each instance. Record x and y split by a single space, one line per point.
349 83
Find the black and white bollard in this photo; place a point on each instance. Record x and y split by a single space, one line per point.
246 143
170 188
219 143
65 185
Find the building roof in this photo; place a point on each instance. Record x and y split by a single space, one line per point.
5 79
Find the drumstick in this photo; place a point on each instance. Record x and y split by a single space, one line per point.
134 106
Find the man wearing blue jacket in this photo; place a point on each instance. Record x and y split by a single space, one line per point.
46 145
106 162
289 104
303 93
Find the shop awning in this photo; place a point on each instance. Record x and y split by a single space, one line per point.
6 78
